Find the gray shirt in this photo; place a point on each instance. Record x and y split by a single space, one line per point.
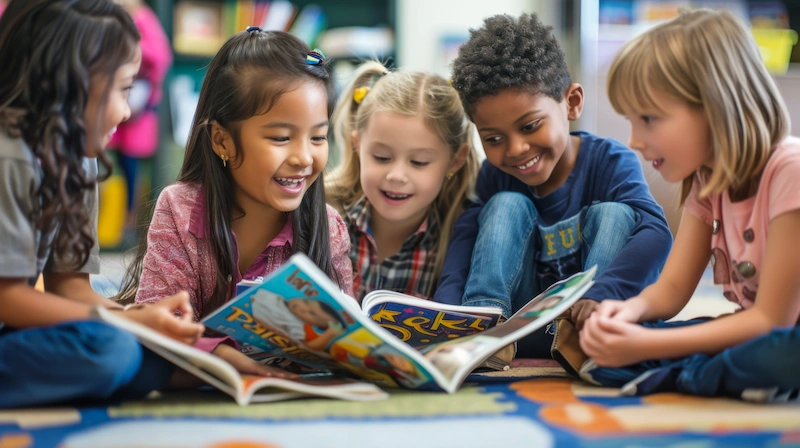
24 251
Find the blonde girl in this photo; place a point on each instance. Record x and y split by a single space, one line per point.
705 112
407 168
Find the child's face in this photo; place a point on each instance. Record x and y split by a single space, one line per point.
283 151
676 141
100 129
527 135
310 312
403 166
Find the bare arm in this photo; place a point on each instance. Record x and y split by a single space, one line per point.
669 294
21 306
777 303
76 286
614 343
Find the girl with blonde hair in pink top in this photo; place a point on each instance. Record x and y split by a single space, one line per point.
705 112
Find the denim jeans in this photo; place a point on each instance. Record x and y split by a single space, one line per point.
504 260
762 369
76 361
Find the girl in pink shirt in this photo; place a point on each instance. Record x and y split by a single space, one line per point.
705 112
250 192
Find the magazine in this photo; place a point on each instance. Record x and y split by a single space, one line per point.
419 322
299 307
243 388
415 321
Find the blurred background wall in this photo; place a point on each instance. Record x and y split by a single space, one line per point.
423 35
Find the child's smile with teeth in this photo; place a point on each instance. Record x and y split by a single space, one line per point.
289 182
397 196
532 162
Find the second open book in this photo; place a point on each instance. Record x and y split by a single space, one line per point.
300 314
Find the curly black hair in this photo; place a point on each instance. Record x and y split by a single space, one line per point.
508 52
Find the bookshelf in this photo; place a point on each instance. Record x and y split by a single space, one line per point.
189 68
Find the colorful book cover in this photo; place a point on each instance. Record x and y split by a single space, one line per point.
297 312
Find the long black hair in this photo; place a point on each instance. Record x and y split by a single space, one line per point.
49 52
246 78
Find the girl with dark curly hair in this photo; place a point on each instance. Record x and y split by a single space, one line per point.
67 68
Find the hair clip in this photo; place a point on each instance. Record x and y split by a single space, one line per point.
252 28
315 57
360 93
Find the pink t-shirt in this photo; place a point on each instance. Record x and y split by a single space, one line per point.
179 255
740 228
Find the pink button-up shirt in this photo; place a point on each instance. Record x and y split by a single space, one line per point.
179 254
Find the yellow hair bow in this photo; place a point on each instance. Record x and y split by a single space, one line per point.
359 94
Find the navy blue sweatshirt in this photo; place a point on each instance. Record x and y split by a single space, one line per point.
605 171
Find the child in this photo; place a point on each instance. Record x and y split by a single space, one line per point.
705 111
67 70
551 202
407 168
250 192
299 318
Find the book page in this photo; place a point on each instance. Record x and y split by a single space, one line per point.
420 326
457 358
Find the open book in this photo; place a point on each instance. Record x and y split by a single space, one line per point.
243 388
300 314
415 321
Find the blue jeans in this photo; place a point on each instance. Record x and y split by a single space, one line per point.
767 362
504 260
76 361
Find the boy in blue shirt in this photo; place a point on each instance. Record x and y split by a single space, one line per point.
550 202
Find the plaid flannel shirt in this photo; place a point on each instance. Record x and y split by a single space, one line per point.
409 271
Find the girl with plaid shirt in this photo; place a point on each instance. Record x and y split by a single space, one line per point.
408 167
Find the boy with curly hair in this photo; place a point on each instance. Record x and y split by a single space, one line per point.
550 202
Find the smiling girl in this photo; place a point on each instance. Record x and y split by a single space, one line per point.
250 192
408 168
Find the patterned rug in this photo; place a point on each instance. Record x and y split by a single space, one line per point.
533 404
547 409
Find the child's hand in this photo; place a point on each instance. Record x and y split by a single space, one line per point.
620 310
247 366
161 317
581 311
613 343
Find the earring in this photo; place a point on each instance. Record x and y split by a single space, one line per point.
224 160
450 175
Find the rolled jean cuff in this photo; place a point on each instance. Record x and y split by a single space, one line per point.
504 306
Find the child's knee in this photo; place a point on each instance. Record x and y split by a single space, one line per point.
507 204
620 216
114 356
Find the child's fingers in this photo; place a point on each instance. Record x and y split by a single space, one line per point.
611 326
606 309
182 330
180 302
275 372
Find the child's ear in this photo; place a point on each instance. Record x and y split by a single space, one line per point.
354 140
573 98
460 159
221 141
